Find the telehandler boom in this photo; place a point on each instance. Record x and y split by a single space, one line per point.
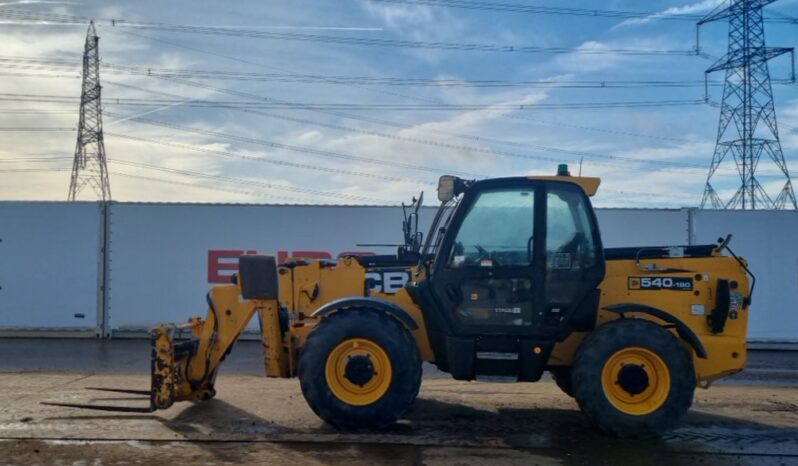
511 281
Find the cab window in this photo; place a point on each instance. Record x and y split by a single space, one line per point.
497 230
569 235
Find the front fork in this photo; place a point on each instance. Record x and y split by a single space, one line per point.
187 370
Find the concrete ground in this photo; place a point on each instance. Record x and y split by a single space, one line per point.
749 419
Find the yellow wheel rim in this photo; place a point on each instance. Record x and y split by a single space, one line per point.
358 371
636 381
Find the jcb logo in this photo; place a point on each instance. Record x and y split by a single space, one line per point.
387 281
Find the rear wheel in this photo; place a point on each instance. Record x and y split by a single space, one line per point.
633 378
360 368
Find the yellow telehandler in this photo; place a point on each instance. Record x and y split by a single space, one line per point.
511 281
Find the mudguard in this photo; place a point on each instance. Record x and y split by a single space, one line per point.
371 303
682 329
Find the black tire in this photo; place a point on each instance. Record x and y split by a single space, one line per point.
392 337
596 351
562 377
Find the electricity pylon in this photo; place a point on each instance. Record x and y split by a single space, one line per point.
747 128
89 167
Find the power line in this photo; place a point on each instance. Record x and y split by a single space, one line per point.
297 78
42 98
32 159
199 186
259 185
304 78
31 111
34 129
347 40
232 180
573 154
248 182
453 146
549 10
298 120
301 78
607 159
419 140
382 91
34 170
153 179
269 161
302 149
23 15
395 82
540 9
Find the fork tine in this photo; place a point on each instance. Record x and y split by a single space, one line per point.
120 390
118 409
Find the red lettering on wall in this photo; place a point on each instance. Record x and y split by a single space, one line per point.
217 263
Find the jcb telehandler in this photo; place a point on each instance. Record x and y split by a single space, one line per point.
511 281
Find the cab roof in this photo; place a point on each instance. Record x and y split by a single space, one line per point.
450 186
588 184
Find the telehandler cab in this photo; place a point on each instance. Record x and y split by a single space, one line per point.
511 281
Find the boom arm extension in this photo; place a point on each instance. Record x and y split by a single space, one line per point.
187 370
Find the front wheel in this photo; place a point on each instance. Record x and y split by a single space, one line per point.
633 378
360 368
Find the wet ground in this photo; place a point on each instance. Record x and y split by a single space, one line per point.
750 419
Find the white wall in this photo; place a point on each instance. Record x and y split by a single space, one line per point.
642 227
158 258
49 265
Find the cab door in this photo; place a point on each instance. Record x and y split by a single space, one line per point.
574 260
488 274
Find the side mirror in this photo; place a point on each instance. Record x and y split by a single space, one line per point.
446 188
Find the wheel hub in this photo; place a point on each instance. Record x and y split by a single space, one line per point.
359 370
633 379
636 380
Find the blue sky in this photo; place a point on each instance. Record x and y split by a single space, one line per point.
376 155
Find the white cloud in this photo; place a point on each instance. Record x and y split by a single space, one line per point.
419 23
309 136
444 132
591 56
37 2
691 8
402 17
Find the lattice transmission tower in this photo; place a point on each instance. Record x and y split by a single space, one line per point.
747 128
89 169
